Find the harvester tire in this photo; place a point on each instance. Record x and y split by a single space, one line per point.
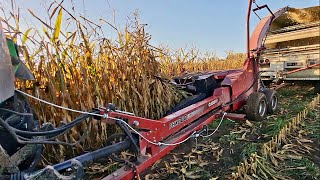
20 104
272 100
317 87
256 106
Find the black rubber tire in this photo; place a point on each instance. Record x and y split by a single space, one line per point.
20 104
272 100
16 103
317 87
256 106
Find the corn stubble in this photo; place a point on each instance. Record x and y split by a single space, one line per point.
288 144
77 67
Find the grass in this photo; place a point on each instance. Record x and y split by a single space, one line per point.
228 138
225 125
275 126
311 168
301 169
248 149
291 102
314 129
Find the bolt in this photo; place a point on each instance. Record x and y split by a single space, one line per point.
105 116
136 123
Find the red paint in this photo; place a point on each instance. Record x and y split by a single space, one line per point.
127 172
303 68
235 88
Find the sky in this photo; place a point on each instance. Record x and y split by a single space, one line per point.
210 25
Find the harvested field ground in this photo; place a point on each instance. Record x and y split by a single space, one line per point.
219 156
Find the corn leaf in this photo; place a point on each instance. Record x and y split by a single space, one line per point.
25 36
57 26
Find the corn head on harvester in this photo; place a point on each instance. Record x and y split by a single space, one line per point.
214 94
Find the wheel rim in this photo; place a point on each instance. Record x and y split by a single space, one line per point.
262 107
274 102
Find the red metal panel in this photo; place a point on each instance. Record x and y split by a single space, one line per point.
234 116
262 28
161 129
128 172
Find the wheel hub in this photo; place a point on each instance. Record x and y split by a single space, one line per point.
262 107
274 102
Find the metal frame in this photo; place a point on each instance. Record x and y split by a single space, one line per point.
236 86
277 69
171 129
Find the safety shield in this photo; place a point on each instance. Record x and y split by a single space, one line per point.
6 70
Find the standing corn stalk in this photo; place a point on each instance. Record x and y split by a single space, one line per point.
81 69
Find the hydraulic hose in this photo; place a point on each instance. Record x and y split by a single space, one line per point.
15 112
55 131
10 130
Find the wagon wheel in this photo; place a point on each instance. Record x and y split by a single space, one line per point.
256 106
272 100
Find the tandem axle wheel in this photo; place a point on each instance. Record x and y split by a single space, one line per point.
260 103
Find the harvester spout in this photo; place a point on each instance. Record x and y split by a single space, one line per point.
248 27
256 40
260 32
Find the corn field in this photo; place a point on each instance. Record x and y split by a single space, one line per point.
76 66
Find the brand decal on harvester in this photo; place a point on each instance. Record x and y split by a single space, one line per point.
185 117
213 102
